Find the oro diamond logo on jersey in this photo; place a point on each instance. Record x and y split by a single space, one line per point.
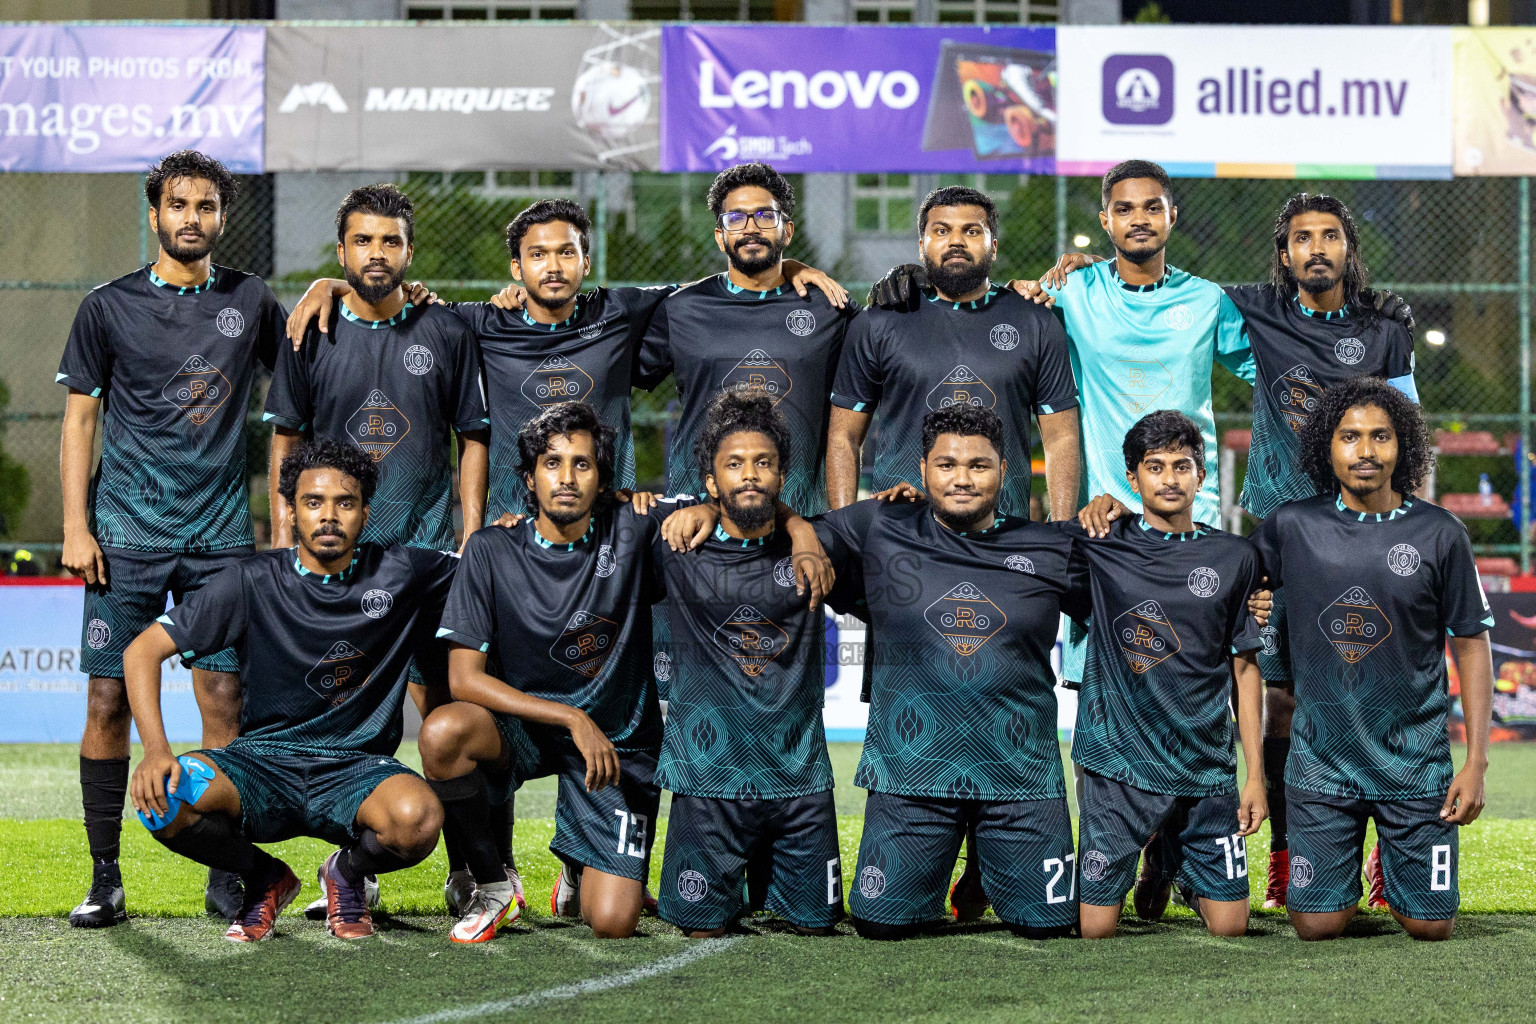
1301 872
198 389
1354 624
1296 394
691 886
343 669
97 634
871 882
801 322
1145 381
1204 582
661 667
1094 866
556 380
1004 337
961 387
1019 563
377 603
378 425
1178 317
751 639
966 618
1349 350
758 369
1146 636
585 643
418 359
784 571
1403 559
230 322
605 562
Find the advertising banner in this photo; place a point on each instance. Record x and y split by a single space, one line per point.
1495 105
99 98
42 690
469 96
863 98
1336 102
1514 666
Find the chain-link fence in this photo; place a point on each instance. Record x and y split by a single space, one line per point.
1457 250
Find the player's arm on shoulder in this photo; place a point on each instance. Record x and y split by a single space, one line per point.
802 278
900 289
1100 511
316 304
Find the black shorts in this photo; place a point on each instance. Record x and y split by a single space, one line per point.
1197 835
284 794
1419 854
711 840
908 851
134 597
610 830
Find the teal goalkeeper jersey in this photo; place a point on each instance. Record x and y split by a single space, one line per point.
1138 349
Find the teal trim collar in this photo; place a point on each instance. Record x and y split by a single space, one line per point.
339 577
1154 286
1376 517
736 289
981 303
575 315
374 325
996 522
746 542
160 282
1320 314
1200 530
534 526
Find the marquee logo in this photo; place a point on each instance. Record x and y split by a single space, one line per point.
966 618
1354 624
315 94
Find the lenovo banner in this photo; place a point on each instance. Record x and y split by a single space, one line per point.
1332 102
105 98
470 96
890 98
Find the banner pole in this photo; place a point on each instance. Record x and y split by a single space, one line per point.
1061 215
600 236
1525 375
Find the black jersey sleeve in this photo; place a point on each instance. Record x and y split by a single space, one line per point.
432 575
472 313
1399 350
653 356
1242 627
289 403
211 618
271 332
860 378
1077 599
1055 388
468 616
87 362
468 384
1464 608
1267 540
847 530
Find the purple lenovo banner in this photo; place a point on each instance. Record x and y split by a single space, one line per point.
892 98
108 98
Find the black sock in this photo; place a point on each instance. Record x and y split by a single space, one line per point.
369 857
501 829
467 816
1276 750
452 847
218 841
103 787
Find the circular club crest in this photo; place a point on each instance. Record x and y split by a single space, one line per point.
691 886
784 571
97 634
1005 337
230 322
1403 559
871 882
1269 640
1301 872
1094 865
377 603
1019 563
801 322
661 667
1204 582
418 359
592 330
1179 317
1349 350
605 561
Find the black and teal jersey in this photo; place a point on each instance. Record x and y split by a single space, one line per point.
568 622
398 389
173 368
1369 601
713 335
962 701
1169 609
1297 353
530 366
322 658
1002 352
748 672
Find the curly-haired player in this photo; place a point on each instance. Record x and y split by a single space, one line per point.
1375 580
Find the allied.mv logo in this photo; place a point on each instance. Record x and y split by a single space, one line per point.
961 386
1004 337
198 389
378 425
585 643
966 618
1403 559
1296 392
557 380
1204 582
758 369
605 561
1354 624
343 669
418 359
377 603
1146 636
801 322
1019 563
230 322
751 639
1349 350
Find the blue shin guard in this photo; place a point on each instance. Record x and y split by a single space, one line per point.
195 776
